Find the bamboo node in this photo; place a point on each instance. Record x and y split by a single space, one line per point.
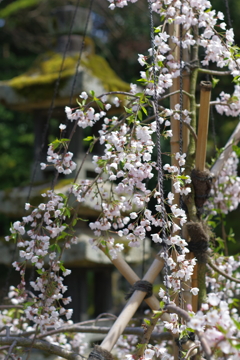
206 86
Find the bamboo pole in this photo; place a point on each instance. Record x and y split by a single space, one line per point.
175 125
203 120
198 278
127 272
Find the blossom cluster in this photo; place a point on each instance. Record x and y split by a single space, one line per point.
219 325
63 163
225 193
38 236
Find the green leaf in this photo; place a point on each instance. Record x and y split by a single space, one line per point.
128 111
40 271
88 138
67 212
74 222
214 82
100 104
139 114
16 6
144 110
237 324
55 247
92 93
236 149
162 304
29 303
62 267
157 313
147 322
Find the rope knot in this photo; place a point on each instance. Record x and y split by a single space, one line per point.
141 285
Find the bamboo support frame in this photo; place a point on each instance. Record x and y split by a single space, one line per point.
132 305
128 312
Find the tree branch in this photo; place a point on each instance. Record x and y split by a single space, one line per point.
40 345
214 72
214 267
138 331
176 92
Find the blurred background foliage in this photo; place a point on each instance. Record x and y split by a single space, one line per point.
119 36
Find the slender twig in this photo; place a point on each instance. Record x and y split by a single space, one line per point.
10 350
176 92
32 342
190 351
216 103
214 267
214 72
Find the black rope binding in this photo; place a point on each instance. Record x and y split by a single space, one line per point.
159 155
180 295
141 285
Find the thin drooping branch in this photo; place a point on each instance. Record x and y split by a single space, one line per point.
214 267
40 345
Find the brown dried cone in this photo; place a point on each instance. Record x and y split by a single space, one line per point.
202 182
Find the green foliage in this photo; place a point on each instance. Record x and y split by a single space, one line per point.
16 6
16 148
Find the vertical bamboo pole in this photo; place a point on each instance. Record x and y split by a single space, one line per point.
175 125
203 120
200 159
